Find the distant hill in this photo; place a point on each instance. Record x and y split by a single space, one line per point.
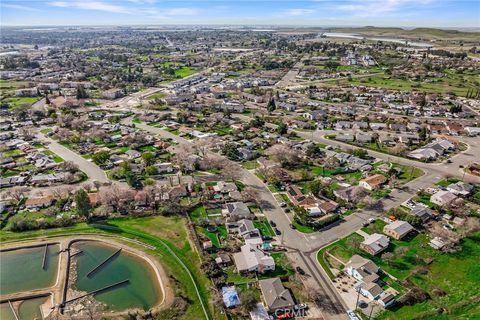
423 33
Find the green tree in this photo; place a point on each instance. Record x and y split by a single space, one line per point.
148 158
315 187
360 153
230 151
100 157
83 206
282 128
271 106
133 180
81 92
151 170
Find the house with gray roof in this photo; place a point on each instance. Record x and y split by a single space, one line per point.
375 243
236 211
252 259
397 229
275 295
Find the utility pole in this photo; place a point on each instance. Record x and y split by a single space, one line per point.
371 311
358 296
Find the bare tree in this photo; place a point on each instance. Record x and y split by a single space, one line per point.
16 193
450 238
249 194
283 154
399 149
231 170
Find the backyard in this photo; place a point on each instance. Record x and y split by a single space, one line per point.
457 274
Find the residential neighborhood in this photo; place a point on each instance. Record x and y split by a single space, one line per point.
256 173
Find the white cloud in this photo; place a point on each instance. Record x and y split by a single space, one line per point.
186 11
19 7
90 5
368 8
299 12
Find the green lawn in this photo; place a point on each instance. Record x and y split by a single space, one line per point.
157 96
212 236
198 213
264 227
12 153
446 182
446 84
184 72
458 274
301 228
250 165
19 101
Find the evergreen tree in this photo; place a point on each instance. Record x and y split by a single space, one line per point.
82 202
271 105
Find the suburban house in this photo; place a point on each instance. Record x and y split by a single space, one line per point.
375 243
443 198
362 269
38 202
397 229
423 212
461 188
347 193
236 211
275 295
252 259
369 290
295 194
367 274
373 182
225 187
247 230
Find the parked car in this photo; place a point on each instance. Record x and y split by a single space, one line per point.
292 226
300 271
352 315
300 306
283 204
277 232
273 224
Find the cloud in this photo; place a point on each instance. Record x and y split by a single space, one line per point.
368 8
19 7
299 12
187 11
90 5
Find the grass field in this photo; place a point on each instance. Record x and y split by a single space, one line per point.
15 102
184 72
455 84
458 274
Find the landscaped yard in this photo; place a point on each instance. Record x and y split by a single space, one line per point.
458 274
264 226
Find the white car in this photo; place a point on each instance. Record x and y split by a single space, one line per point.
352 315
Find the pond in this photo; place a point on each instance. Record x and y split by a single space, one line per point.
29 309
21 269
142 291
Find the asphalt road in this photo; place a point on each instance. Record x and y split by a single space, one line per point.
91 169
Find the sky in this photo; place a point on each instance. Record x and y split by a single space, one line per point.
400 13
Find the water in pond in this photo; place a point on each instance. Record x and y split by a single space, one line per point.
5 312
21 269
30 309
141 291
